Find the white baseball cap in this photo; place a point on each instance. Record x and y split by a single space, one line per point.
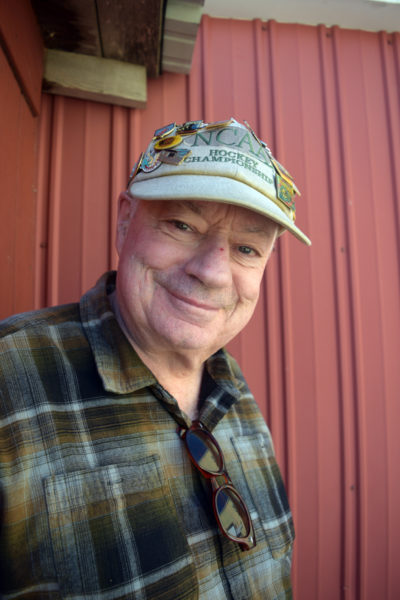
220 162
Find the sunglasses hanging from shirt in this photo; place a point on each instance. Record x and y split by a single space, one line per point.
230 511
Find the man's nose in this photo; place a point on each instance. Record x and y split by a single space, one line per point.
211 263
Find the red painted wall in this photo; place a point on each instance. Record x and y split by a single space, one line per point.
20 94
321 353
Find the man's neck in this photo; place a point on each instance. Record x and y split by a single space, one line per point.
180 374
184 386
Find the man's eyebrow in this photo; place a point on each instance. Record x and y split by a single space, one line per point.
192 206
254 229
257 229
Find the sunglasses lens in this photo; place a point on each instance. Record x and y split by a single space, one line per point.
204 452
232 513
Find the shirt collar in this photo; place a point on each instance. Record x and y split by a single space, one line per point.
118 365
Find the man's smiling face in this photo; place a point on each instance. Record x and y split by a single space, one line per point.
189 272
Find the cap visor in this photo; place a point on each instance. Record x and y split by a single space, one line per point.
214 189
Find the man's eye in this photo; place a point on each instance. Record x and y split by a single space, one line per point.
181 225
246 250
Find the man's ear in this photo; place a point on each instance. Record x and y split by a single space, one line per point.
126 209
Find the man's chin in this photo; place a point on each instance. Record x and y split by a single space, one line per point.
190 338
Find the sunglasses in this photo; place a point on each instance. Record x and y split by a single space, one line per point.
230 511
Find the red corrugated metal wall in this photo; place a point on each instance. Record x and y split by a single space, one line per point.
322 351
21 52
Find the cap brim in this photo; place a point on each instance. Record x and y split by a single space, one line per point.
214 189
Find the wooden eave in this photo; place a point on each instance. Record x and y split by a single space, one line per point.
104 50
123 30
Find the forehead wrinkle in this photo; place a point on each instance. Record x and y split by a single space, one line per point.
256 229
191 205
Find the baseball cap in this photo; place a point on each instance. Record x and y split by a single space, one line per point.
223 161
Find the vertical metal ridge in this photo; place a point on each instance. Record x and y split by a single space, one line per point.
260 86
87 196
262 104
279 422
392 97
195 80
390 55
97 158
121 163
54 207
348 350
373 460
42 219
334 171
206 67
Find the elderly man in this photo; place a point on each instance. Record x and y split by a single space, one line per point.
134 461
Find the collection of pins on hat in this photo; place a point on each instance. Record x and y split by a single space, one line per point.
168 137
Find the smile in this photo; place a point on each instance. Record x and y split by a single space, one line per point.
192 302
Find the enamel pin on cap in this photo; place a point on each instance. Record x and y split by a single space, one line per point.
222 161
150 162
268 153
218 124
165 131
173 157
190 127
135 168
168 142
285 191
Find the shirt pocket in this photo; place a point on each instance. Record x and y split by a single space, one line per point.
115 533
265 491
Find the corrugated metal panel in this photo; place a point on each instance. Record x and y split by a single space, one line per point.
20 93
321 353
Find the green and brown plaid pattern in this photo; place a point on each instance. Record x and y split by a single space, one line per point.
98 498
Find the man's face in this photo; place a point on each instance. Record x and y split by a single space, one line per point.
189 272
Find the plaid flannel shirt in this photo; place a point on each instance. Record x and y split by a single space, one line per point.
98 497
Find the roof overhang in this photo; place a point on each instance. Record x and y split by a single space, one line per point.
105 50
